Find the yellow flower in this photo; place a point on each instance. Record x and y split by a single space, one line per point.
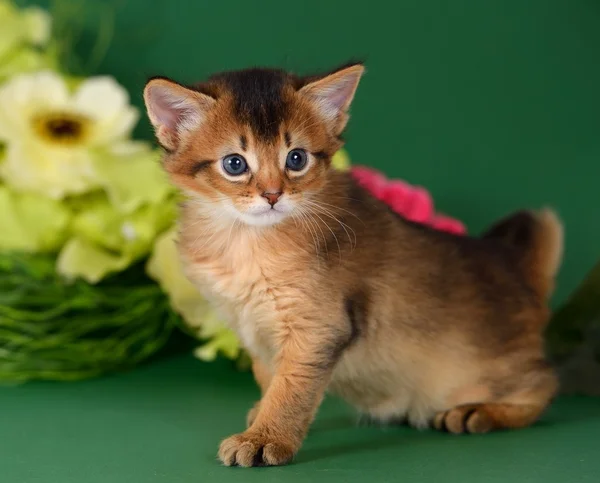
53 135
22 26
341 160
26 59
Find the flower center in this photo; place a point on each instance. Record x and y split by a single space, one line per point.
62 127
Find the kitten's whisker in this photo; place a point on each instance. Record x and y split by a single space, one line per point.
332 232
316 224
315 242
235 220
344 226
347 198
338 208
306 220
206 242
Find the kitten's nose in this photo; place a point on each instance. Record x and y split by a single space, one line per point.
271 196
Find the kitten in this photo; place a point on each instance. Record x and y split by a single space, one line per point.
328 289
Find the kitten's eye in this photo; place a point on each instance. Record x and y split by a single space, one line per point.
296 160
234 164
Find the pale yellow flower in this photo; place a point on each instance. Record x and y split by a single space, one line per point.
53 135
341 160
19 27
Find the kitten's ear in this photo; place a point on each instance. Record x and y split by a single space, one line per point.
333 94
174 109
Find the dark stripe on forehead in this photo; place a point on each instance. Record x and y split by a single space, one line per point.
243 142
258 99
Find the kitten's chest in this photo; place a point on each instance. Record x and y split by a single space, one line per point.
246 286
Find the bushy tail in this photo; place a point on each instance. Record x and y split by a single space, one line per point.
539 234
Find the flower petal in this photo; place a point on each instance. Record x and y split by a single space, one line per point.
341 160
27 95
31 223
118 128
116 172
107 103
82 259
164 266
54 172
38 25
101 97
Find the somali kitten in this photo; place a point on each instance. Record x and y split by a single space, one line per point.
331 291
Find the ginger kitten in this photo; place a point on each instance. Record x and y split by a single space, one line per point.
328 289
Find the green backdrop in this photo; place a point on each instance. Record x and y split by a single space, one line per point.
492 105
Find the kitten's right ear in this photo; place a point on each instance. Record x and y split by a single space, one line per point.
174 110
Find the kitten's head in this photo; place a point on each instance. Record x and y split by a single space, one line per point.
254 145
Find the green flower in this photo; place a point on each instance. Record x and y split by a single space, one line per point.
117 226
27 59
105 241
341 161
31 223
19 27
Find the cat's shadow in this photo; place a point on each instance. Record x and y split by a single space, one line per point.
399 434
390 435
363 445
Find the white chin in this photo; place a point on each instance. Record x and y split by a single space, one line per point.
271 217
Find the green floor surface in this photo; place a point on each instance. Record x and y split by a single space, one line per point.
163 423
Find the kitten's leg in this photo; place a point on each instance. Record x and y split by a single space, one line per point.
263 376
518 410
485 417
303 371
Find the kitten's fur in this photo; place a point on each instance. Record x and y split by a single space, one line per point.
330 290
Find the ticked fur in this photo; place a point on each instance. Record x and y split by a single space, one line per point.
330 290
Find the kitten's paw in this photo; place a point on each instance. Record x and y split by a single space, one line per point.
470 418
252 449
252 414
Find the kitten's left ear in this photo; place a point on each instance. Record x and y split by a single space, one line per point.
333 94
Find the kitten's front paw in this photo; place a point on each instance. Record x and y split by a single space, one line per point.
254 449
251 416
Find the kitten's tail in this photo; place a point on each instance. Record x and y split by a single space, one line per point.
539 234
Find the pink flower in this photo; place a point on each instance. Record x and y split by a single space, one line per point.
412 202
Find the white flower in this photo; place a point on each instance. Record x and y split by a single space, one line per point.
53 135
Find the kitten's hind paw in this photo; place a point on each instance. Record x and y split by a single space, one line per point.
484 417
470 418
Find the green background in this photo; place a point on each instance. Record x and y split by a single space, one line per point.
493 105
163 424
